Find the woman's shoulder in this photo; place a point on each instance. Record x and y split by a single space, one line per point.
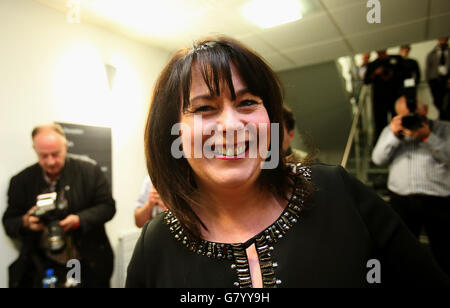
155 229
149 250
326 170
161 234
333 183
318 173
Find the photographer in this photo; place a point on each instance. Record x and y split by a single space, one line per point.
57 209
417 151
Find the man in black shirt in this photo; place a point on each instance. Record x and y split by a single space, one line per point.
386 76
411 67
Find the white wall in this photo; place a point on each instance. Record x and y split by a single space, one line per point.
54 71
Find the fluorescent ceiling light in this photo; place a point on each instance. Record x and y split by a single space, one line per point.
271 13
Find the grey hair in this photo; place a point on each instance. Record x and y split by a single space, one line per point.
53 127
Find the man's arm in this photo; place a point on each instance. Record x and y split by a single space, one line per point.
144 213
387 144
439 144
12 218
102 205
17 219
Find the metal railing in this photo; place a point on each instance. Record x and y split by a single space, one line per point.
353 137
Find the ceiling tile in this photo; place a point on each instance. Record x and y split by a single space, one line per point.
439 26
318 53
352 20
279 62
337 4
219 23
388 37
303 32
256 43
439 7
306 41
309 7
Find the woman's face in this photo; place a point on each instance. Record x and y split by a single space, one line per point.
222 137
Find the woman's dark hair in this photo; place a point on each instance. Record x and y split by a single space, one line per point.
173 178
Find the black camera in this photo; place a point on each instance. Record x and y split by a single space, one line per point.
413 120
51 209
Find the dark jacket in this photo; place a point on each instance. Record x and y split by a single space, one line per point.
89 196
432 64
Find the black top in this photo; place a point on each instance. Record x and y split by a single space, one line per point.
331 243
412 70
389 83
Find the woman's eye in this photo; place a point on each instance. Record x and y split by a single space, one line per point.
204 108
248 102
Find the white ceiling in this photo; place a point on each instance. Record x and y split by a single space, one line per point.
329 29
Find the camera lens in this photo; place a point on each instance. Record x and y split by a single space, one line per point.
55 239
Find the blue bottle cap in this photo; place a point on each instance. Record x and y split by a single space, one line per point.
50 272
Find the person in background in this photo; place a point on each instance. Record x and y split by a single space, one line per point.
289 134
385 74
410 66
84 205
365 58
149 204
419 179
235 221
437 73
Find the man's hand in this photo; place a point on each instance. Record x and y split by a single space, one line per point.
155 199
32 223
396 126
144 213
71 222
421 133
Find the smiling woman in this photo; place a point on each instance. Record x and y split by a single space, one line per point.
231 222
229 87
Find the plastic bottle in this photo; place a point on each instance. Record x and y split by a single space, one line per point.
49 282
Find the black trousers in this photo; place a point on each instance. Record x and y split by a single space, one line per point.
439 91
382 106
432 213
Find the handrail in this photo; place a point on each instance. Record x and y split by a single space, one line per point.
351 136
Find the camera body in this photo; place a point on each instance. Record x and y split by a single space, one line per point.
412 121
50 211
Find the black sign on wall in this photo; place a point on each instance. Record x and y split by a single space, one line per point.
92 142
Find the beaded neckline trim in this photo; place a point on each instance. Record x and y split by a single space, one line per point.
263 241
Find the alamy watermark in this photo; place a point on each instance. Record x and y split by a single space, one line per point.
374 14
374 274
73 277
249 141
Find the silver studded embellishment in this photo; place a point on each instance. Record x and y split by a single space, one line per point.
264 242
